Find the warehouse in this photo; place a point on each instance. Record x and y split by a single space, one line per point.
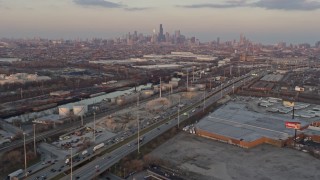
234 124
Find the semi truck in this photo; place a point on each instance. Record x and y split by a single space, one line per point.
98 146
15 174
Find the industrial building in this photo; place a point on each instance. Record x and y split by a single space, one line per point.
234 124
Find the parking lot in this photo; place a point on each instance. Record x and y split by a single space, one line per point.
201 158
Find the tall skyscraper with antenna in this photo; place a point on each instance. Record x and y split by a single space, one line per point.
161 37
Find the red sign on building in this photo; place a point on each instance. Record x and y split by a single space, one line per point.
293 125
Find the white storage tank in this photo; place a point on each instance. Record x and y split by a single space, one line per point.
201 86
156 88
113 100
132 97
120 100
174 83
163 87
175 79
80 110
147 93
64 111
192 89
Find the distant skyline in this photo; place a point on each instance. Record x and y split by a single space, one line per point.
265 21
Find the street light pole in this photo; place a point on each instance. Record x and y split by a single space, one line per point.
34 139
25 153
295 130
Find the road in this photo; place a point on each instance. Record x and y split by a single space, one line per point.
102 163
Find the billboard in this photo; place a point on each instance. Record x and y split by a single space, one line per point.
299 89
293 125
288 103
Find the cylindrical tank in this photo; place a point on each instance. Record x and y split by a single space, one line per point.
163 87
192 89
113 100
156 89
175 79
80 110
64 111
120 100
168 86
132 97
174 83
201 86
147 93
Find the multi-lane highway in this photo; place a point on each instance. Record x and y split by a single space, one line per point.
102 163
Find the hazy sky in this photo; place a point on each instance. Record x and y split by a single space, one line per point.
267 21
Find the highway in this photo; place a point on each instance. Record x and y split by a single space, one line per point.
104 162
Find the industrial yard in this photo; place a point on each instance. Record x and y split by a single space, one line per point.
201 158
115 127
248 121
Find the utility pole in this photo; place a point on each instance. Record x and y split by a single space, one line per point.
193 74
233 87
187 79
221 90
25 153
178 117
34 139
295 130
204 100
71 164
139 122
138 133
94 126
81 120
179 114
160 87
21 93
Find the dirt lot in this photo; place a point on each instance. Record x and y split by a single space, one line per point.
206 159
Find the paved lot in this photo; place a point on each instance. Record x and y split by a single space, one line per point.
206 159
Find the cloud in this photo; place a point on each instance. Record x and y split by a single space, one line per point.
301 5
288 4
137 9
227 4
101 3
108 4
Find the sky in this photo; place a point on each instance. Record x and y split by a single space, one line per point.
265 21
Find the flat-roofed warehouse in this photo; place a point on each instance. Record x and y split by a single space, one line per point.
234 124
272 77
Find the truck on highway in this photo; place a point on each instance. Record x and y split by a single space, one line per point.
98 146
84 152
15 174
74 157
141 139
